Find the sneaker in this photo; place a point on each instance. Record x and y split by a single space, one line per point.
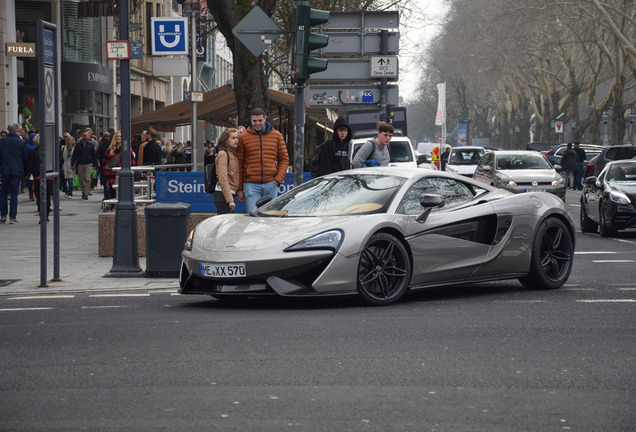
3 220
13 221
84 197
31 197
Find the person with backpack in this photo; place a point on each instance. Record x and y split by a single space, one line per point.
226 166
375 151
333 154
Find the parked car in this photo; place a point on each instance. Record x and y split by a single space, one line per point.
463 160
609 153
378 233
609 201
556 152
539 146
520 171
400 149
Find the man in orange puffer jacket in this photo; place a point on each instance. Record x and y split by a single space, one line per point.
263 160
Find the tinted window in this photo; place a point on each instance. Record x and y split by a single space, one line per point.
453 192
465 156
521 162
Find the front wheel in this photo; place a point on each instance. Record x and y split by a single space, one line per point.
604 227
384 270
552 256
587 224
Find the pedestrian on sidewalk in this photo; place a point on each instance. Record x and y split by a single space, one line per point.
34 170
227 172
84 161
67 166
13 160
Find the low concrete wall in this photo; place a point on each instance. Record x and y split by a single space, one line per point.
106 236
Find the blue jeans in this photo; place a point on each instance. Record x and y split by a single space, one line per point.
10 185
254 191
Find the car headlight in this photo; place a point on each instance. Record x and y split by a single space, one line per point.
326 240
619 198
188 243
557 181
504 180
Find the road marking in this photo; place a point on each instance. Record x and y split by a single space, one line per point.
24 309
595 253
104 307
579 289
608 301
627 289
42 297
613 261
120 295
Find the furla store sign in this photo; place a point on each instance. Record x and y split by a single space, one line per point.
20 49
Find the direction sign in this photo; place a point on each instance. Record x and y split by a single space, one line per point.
343 95
384 67
362 20
169 36
359 43
257 31
356 69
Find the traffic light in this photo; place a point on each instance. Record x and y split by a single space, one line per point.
304 18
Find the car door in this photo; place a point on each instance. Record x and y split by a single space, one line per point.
593 196
454 240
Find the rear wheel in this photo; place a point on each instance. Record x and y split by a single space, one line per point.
384 270
552 256
587 224
604 228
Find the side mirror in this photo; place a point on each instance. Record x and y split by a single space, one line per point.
558 167
487 168
590 180
429 202
421 159
264 200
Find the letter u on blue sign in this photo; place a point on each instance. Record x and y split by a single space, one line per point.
169 36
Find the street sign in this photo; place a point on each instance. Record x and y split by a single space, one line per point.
558 127
384 67
257 31
359 43
169 36
170 66
362 20
196 96
48 46
49 95
117 50
353 95
136 49
356 69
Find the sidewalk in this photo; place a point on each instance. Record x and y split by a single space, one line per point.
81 267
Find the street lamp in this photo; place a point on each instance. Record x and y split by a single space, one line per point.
605 119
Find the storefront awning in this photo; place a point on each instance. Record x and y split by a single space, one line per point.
217 108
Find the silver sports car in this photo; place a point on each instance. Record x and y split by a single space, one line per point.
378 233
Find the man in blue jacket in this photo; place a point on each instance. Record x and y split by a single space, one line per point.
13 159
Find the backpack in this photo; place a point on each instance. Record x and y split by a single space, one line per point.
315 161
210 177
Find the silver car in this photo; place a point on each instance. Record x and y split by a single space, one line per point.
520 171
379 233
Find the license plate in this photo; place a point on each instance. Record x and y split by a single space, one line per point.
536 190
222 270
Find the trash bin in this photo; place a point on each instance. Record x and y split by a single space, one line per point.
166 233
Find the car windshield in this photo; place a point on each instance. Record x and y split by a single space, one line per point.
399 151
336 195
622 173
465 156
522 162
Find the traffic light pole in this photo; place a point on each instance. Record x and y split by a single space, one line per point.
299 129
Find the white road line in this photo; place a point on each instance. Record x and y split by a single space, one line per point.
626 289
594 253
25 309
579 289
104 307
42 297
608 301
120 295
613 261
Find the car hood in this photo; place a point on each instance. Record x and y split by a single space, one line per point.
240 232
526 176
628 188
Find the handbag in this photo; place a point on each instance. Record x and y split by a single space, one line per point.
115 161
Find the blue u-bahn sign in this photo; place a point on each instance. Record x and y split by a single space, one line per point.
169 36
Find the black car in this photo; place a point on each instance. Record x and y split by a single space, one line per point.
609 153
556 152
609 201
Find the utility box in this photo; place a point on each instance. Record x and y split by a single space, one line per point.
166 233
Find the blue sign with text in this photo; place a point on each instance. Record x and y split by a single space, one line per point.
169 36
189 187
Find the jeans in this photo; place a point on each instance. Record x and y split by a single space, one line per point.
222 207
254 191
578 176
10 186
69 187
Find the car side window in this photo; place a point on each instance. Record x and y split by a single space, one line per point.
452 191
486 160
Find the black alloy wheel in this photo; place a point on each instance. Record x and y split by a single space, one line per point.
384 270
552 256
604 227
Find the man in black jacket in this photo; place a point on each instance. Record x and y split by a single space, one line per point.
334 154
84 160
152 151
13 159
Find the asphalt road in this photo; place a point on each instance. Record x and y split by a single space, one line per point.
483 357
